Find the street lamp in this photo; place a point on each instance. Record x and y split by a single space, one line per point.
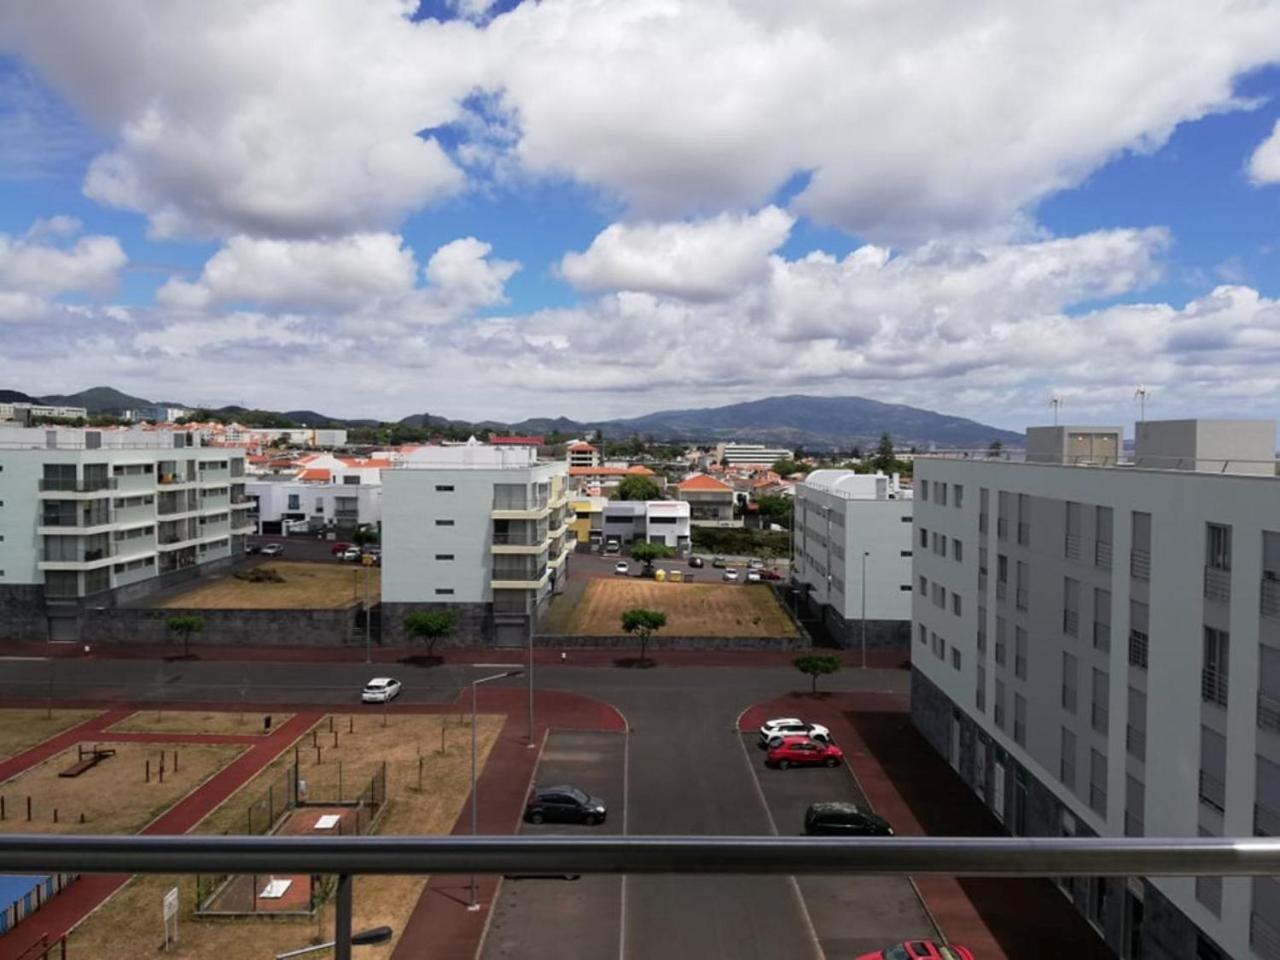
865 554
473 904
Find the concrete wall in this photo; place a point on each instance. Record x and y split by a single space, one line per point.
473 623
1231 446
625 642
233 628
22 614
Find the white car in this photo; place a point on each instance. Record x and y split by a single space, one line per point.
621 568
380 690
773 731
272 549
753 576
755 564
730 573
351 553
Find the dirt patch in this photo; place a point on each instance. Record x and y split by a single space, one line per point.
306 586
692 609
196 721
126 924
22 729
114 795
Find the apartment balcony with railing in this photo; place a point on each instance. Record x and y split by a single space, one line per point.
1138 649
1140 564
73 485
75 556
1217 584
171 473
175 504
1212 791
1102 555
1213 686
512 572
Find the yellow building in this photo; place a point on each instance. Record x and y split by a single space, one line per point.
588 519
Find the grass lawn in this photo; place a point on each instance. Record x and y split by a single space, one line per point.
127 925
22 729
692 609
307 586
196 721
113 796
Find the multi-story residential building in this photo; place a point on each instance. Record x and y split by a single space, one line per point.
710 501
583 454
1102 658
157 413
104 516
649 521
479 529
749 454
25 411
327 492
852 555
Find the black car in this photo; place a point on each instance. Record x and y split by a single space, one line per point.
564 804
839 819
695 561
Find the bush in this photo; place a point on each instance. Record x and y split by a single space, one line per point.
259 575
739 541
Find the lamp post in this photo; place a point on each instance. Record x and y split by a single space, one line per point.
472 903
865 554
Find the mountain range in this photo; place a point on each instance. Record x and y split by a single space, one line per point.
813 423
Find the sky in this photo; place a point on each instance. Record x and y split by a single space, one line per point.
598 209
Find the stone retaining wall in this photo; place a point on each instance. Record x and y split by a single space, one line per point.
232 628
661 642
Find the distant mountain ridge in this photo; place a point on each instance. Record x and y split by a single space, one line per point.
793 421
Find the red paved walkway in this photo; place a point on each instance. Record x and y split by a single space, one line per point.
91 729
64 911
918 792
441 926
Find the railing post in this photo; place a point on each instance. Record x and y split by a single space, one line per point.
342 919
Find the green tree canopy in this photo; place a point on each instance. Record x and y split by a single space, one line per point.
642 623
815 665
883 459
184 627
429 626
638 487
776 510
649 552
785 467
996 449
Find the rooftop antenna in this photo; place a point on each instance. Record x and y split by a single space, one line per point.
1055 402
1141 395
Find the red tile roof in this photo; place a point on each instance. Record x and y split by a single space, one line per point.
582 448
314 473
705 484
517 441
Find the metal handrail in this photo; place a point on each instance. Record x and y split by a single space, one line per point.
956 856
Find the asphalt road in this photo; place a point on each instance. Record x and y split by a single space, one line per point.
686 773
593 565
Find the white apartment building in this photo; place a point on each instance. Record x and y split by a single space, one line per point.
102 515
157 413
1097 653
749 454
582 454
854 531
480 529
648 521
17 411
328 492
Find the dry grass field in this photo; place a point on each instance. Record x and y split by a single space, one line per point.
23 729
692 609
113 796
127 925
196 721
307 586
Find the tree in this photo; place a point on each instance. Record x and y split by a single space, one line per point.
638 487
856 453
429 625
995 450
785 467
815 665
775 510
641 623
363 535
883 459
649 552
184 627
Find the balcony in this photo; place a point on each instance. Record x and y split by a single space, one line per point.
1217 584
519 577
1102 555
77 560
1213 686
1140 564
175 480
1213 792
1138 644
1268 712
1072 546
71 485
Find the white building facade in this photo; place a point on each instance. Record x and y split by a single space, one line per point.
847 525
100 515
329 492
1097 652
749 454
17 411
481 530
648 521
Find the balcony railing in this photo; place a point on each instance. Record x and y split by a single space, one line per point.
1213 686
1264 937
85 556
1217 584
72 485
1266 820
1268 712
1140 564
1072 546
1138 644
1102 555
1213 792
518 539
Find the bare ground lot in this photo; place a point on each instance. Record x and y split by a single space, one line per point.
127 926
114 796
307 586
196 721
22 729
692 609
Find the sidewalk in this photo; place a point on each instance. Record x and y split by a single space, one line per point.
998 918
63 912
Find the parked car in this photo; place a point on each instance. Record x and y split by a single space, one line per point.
841 819
772 732
351 553
719 562
621 568
921 950
730 574
803 752
612 547
753 576
770 575
252 548
564 804
380 690
341 547
695 561
272 549
755 564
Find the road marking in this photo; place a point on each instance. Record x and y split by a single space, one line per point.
493 666
795 886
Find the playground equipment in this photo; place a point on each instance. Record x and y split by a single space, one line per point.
87 759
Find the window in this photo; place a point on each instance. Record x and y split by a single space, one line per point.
905 588
1020 598
957 494
1019 653
1213 677
955 603
957 550
1135 735
924 586
1217 547
1024 520
924 539
1213 769
1140 558
939 647
1071 547
982 629
924 634
955 657
924 489
1071 607
444 556
295 501
999 705
444 523
1100 709
984 503
1102 532
1002 633
904 553
1002 568
980 690
941 494
1019 719
1139 615
444 488
1067 759
1069 672
1098 782
444 591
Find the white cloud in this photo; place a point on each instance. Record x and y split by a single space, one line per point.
60 225
255 332
702 260
914 119
32 267
471 9
1264 165
323 274
291 118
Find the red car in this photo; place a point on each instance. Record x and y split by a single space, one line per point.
770 575
801 752
921 950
